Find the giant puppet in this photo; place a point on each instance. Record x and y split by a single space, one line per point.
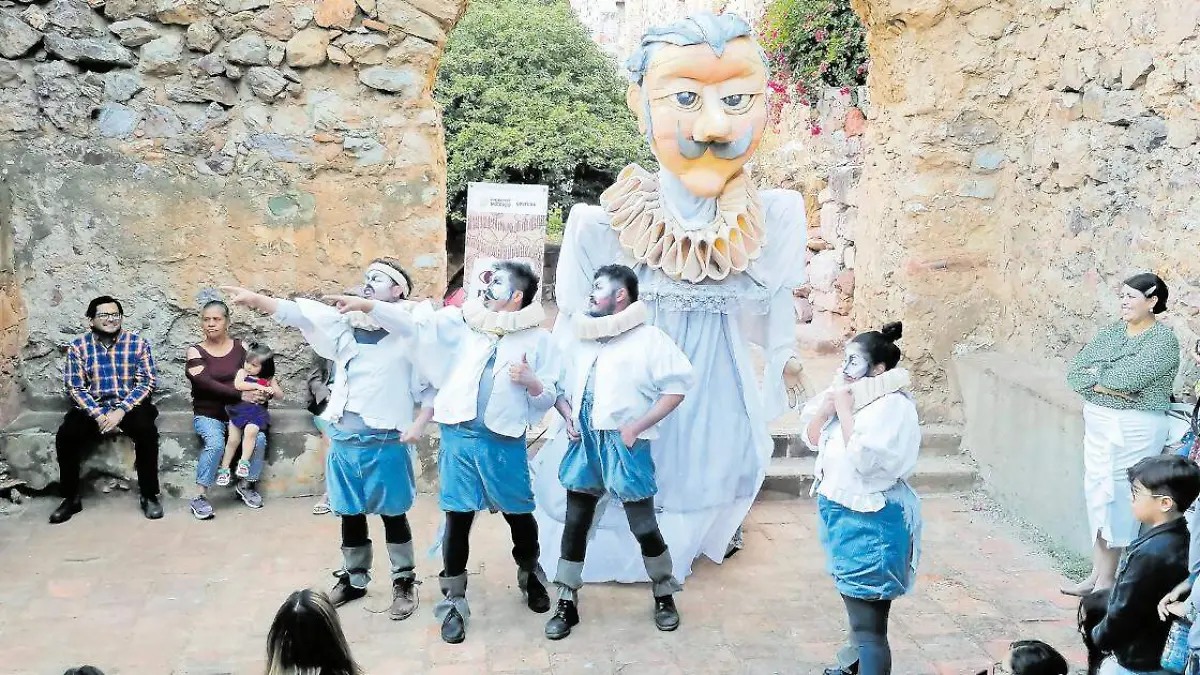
717 261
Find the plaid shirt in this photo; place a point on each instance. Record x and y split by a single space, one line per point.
100 378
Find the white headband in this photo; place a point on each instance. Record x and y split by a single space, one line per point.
393 274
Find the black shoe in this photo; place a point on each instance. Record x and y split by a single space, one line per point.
666 616
852 669
69 507
559 625
454 629
536 597
343 592
151 508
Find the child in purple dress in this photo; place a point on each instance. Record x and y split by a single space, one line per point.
246 419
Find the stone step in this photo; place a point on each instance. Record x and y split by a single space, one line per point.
792 477
937 440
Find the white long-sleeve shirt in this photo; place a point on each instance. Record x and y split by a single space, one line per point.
632 371
376 381
454 356
882 450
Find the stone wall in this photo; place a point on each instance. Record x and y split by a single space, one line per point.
156 148
1025 157
819 152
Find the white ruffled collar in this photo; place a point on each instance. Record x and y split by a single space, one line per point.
600 327
484 320
650 234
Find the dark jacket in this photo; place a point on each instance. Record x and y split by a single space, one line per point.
1153 564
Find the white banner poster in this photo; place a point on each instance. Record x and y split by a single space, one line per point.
504 222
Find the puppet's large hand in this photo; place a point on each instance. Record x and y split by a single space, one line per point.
793 379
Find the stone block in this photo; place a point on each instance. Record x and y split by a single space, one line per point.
841 183
998 390
134 32
1135 66
117 121
308 48
294 449
89 51
831 216
1146 133
987 160
1182 132
179 12
411 20
265 83
980 188
401 81
163 56
202 36
248 50
276 22
988 23
336 14
823 270
121 85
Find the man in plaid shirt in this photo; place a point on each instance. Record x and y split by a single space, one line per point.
109 375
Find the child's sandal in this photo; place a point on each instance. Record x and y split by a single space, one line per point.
243 468
223 477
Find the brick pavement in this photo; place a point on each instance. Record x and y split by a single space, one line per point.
181 597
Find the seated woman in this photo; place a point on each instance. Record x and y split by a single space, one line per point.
865 430
212 367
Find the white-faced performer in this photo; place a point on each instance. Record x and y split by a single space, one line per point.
371 426
496 371
622 378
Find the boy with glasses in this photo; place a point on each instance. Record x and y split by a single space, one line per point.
1154 564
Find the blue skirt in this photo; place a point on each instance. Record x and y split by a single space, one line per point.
599 462
482 470
369 471
873 556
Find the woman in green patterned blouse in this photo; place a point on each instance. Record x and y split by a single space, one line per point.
1125 375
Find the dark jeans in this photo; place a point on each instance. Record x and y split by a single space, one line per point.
80 434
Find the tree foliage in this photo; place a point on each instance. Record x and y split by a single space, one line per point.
529 98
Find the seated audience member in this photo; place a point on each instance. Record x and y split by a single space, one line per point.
1031 657
1155 563
306 638
110 376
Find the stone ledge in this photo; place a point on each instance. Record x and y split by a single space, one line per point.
793 476
294 454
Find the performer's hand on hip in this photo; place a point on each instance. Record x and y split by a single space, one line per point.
629 435
572 432
350 303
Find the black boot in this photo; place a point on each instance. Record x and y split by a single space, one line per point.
536 597
454 629
566 616
666 616
343 592
151 508
69 507
852 669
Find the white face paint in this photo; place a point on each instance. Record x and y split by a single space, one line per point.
378 286
855 365
603 301
500 291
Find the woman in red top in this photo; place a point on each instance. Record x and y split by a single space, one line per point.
212 366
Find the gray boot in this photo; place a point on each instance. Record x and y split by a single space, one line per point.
354 575
569 579
452 609
664 585
404 581
531 579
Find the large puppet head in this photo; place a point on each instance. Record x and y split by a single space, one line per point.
699 91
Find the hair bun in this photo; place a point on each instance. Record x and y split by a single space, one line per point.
892 331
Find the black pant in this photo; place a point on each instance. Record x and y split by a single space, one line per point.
868 632
80 434
395 530
456 541
581 510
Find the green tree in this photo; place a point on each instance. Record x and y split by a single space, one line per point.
529 98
